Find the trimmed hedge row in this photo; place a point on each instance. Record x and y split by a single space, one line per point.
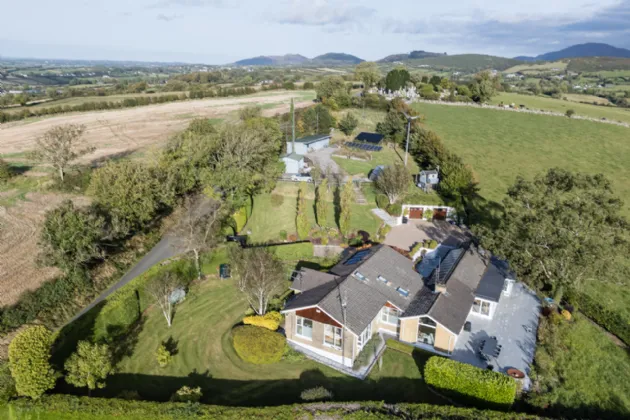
71 407
610 320
478 386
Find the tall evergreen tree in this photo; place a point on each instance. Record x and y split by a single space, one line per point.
301 220
321 204
345 214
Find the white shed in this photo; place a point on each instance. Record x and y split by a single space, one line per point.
309 143
293 163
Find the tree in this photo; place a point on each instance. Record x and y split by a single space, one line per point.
397 79
321 203
393 127
249 112
318 120
458 182
368 72
259 275
463 90
348 123
72 236
435 81
560 230
160 289
393 181
130 191
199 226
89 366
570 113
301 219
61 145
427 148
483 88
29 354
345 207
329 87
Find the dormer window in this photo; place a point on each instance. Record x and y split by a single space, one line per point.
383 279
359 276
403 292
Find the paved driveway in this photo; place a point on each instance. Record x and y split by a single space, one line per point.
323 158
406 236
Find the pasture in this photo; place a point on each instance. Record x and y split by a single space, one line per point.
557 105
535 68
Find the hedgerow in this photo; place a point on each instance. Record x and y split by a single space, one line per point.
67 406
271 320
479 387
258 345
610 320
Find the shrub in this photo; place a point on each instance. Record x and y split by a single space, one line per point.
258 345
566 314
432 244
29 354
308 85
401 347
7 384
284 235
570 113
187 394
271 320
277 200
163 356
394 209
384 230
364 358
415 249
476 386
610 320
382 201
240 219
5 171
292 355
318 393
427 214
348 123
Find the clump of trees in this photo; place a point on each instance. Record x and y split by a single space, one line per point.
368 72
397 79
333 92
348 123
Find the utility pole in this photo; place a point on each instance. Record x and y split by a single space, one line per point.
409 119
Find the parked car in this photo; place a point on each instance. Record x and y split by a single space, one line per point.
301 178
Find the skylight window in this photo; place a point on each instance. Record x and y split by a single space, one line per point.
360 276
403 292
383 279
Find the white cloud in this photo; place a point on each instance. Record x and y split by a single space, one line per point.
168 18
321 13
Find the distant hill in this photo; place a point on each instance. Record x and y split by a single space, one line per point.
413 55
468 62
336 59
592 49
596 64
273 60
329 59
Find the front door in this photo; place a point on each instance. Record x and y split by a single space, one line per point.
415 213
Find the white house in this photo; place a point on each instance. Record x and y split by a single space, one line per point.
293 163
309 144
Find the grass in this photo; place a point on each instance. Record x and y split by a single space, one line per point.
267 221
587 98
594 373
205 358
558 105
538 68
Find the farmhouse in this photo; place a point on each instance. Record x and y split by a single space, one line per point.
379 290
309 144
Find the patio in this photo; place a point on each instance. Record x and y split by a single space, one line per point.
407 235
514 324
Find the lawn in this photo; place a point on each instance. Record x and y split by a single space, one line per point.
593 374
205 358
558 105
267 219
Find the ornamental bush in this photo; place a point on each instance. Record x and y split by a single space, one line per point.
465 382
382 201
394 210
187 394
427 214
29 354
257 345
163 356
271 320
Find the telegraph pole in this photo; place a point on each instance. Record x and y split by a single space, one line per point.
409 119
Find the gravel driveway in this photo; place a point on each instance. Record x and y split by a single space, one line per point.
323 158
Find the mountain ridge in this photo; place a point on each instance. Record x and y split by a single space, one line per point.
589 49
298 59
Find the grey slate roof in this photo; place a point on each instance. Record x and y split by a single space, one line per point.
312 297
293 156
308 278
491 284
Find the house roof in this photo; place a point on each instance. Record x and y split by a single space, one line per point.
429 172
312 139
293 156
358 287
373 138
491 284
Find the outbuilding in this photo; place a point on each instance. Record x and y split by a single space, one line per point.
309 144
293 163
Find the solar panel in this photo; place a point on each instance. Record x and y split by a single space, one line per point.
362 146
357 257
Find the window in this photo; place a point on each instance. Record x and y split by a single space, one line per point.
364 337
389 315
304 327
403 292
383 279
481 307
332 336
359 276
426 331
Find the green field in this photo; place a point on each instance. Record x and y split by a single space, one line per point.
267 221
557 105
205 357
538 68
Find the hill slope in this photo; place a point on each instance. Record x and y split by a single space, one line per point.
336 59
273 60
413 55
592 49
469 62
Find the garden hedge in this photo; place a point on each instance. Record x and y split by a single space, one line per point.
480 387
271 320
71 407
258 345
604 317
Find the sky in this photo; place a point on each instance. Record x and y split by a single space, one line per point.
223 31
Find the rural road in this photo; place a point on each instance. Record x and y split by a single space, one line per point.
160 252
